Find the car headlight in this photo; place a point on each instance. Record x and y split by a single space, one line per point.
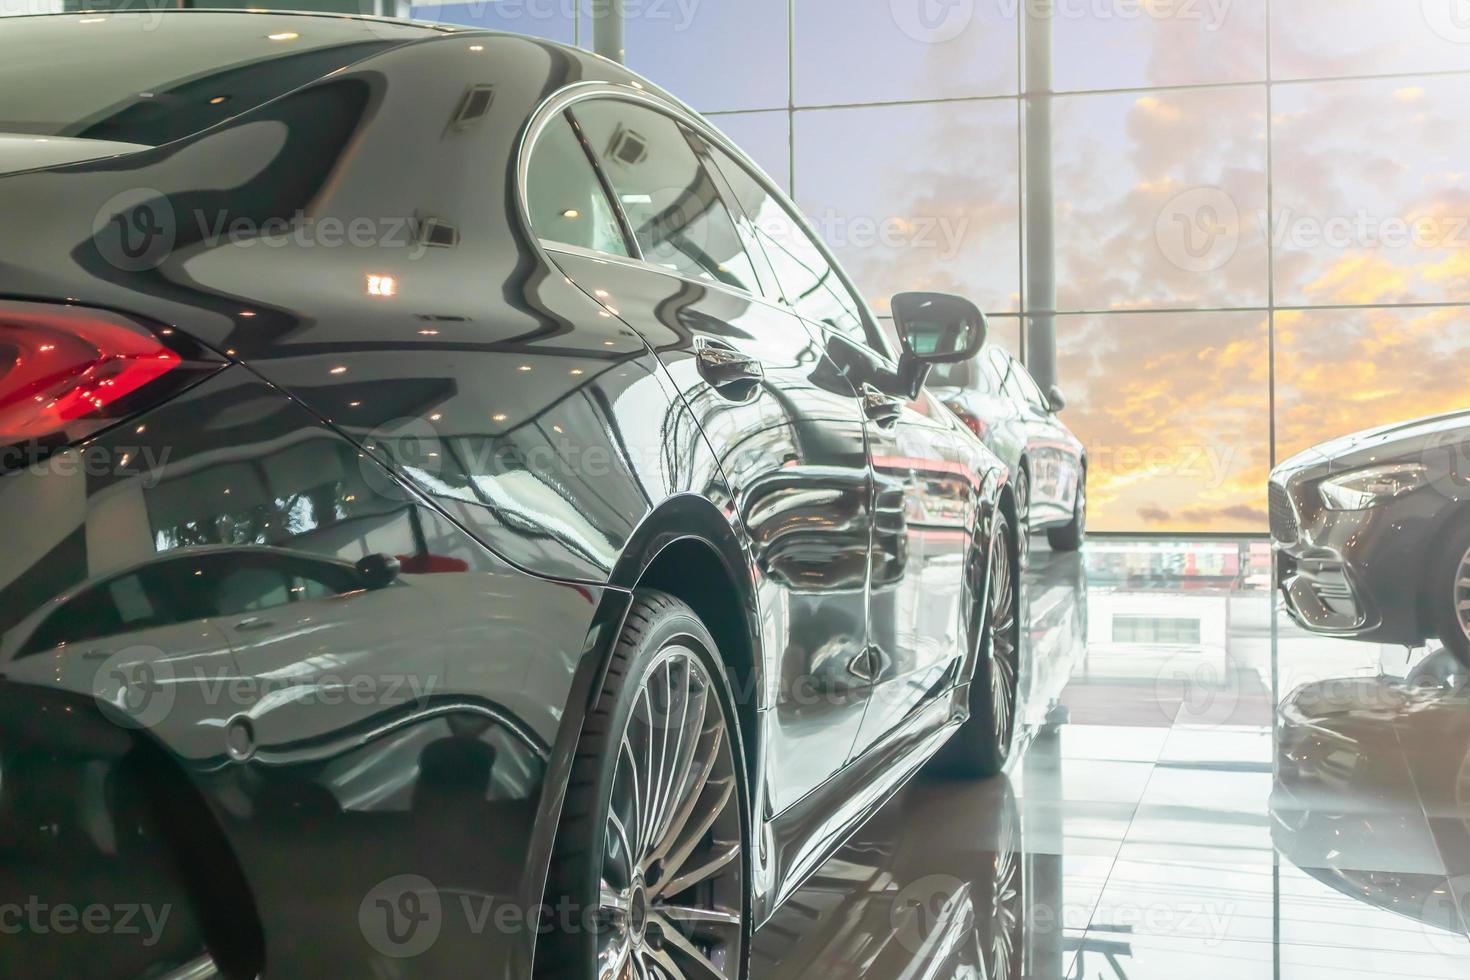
1370 487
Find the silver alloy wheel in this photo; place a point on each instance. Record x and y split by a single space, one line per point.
672 892
1023 515
1001 626
1462 594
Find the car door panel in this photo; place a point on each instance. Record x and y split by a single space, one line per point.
782 421
917 608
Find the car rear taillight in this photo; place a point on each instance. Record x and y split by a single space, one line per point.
67 371
973 422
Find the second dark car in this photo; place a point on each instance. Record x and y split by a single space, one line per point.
996 397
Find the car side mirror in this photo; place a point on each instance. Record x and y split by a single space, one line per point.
1054 399
935 328
378 571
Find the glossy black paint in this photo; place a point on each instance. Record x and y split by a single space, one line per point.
530 434
1372 574
1020 425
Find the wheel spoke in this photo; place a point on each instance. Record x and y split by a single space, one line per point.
682 958
625 851
720 859
613 961
651 782
663 776
638 792
691 799
676 860
697 917
686 751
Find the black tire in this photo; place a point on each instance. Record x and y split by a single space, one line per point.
663 650
983 743
1069 536
1444 593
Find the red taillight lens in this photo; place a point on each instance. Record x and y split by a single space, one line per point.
66 371
973 422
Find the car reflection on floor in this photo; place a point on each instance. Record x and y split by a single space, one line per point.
948 901
1206 791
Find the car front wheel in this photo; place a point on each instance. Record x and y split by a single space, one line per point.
983 744
1449 595
652 838
1069 536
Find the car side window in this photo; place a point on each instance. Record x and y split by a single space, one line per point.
564 196
807 281
998 367
987 380
675 210
1025 387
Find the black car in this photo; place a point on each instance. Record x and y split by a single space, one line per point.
996 397
1372 534
460 521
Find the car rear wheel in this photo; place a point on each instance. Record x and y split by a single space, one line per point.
1069 536
983 744
1449 598
652 841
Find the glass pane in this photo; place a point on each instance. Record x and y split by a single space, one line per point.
1122 45
765 137
566 200
1370 191
1005 332
672 204
806 278
714 56
1340 371
930 203
850 52
1175 414
1331 38
553 20
1159 197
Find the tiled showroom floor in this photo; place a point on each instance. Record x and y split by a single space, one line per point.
1147 831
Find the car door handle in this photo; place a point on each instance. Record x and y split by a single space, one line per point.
722 365
250 623
880 409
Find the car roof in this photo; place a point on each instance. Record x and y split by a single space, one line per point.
152 12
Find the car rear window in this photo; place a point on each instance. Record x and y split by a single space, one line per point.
151 77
